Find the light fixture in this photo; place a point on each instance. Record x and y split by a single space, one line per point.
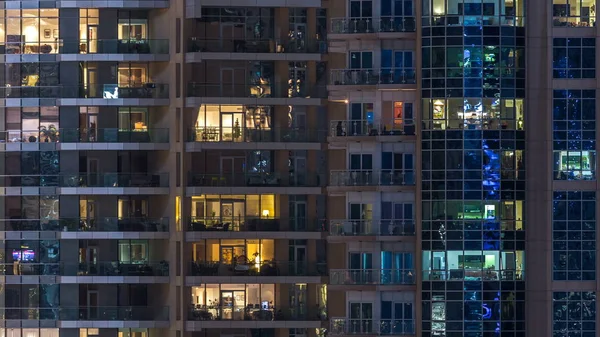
266 213
438 102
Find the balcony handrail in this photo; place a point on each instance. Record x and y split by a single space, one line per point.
251 312
267 45
292 179
474 273
391 276
250 134
474 20
85 313
364 127
374 24
97 224
371 326
100 268
270 89
83 135
374 177
246 266
87 179
247 223
368 227
105 91
373 76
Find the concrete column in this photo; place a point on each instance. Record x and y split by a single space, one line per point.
69 30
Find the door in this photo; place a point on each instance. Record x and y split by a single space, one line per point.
397 168
397 318
397 267
360 220
93 175
92 302
397 218
232 213
361 170
297 214
361 318
297 79
233 304
361 68
298 300
232 127
231 255
87 214
362 119
92 39
361 16
360 267
298 262
298 36
232 169
297 168
88 124
91 84
403 67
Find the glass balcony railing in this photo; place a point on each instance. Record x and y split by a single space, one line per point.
349 178
357 227
248 267
100 179
304 179
272 90
485 274
123 46
244 134
384 76
372 276
105 135
366 128
87 313
371 326
250 312
105 91
99 224
255 224
474 20
574 21
367 25
112 268
199 44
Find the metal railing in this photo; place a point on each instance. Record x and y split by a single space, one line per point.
200 44
102 268
385 227
371 326
251 312
255 224
247 267
304 179
98 224
270 90
366 25
88 313
372 76
474 274
100 179
245 134
372 276
77 135
371 177
363 128
106 91
114 46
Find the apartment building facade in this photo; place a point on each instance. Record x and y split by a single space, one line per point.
298 168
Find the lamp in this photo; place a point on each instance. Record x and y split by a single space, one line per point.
266 213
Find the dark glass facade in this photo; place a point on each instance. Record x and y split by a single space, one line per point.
473 165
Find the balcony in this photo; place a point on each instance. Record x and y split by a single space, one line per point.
479 274
245 267
80 225
111 268
240 138
372 227
370 25
159 315
343 131
76 135
263 94
107 94
87 183
372 277
264 50
367 326
382 179
385 77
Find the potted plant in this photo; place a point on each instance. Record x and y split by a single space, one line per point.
49 133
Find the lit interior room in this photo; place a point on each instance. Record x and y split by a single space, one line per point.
30 31
233 302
